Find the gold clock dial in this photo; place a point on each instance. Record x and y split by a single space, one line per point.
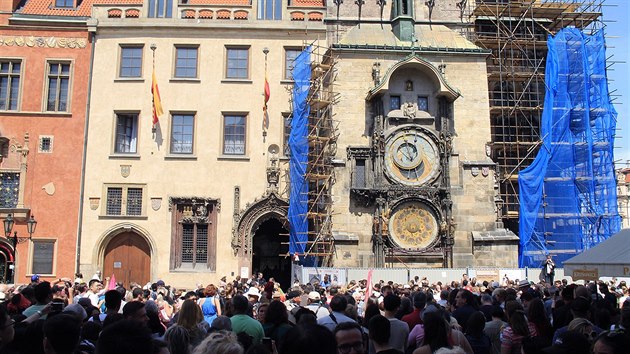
411 157
413 225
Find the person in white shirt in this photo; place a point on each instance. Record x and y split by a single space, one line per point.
92 294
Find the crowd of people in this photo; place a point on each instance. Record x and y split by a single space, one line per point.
256 316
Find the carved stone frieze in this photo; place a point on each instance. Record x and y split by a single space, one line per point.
195 210
194 201
247 221
43 42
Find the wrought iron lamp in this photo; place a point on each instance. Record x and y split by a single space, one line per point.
31 225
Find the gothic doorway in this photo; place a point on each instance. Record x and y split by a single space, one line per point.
128 257
270 252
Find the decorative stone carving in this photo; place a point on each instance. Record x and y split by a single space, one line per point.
50 42
49 188
125 170
409 110
273 174
94 203
247 221
474 171
485 171
156 203
194 201
376 73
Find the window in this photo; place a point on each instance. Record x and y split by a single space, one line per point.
234 134
269 9
394 102
64 3
45 143
423 103
9 189
359 174
10 71
126 133
186 62
160 8
237 63
289 61
43 256
194 233
58 86
124 200
182 129
286 151
130 61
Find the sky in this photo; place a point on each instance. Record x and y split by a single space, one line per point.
617 20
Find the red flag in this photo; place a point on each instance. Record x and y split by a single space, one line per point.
157 101
368 291
265 113
112 283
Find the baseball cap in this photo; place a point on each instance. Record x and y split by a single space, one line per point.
34 277
314 295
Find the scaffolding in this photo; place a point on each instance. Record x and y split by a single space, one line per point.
516 32
322 136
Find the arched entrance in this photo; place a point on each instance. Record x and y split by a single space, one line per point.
270 252
128 257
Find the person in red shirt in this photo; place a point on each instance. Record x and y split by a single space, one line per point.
414 318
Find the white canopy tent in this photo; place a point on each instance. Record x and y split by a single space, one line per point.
610 258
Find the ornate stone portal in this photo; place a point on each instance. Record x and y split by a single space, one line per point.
247 221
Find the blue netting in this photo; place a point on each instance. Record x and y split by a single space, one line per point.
568 195
298 145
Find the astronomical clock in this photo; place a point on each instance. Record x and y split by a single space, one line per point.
403 174
411 157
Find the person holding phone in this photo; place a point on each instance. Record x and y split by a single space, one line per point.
43 296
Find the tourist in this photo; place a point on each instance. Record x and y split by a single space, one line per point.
276 322
243 323
191 319
336 316
350 339
210 306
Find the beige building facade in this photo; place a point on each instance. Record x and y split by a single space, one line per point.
163 199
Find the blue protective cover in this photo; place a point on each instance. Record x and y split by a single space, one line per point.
568 195
298 145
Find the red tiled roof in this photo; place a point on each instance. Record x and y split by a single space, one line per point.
206 13
297 16
315 16
114 13
240 15
309 3
188 14
224 14
47 7
134 13
219 2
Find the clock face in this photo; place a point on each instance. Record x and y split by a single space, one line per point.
411 157
413 225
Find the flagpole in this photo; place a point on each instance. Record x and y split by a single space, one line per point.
153 48
265 120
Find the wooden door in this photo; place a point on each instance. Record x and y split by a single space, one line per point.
128 257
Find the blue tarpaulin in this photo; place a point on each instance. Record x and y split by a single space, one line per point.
298 145
568 195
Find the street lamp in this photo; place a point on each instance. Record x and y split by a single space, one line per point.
8 222
31 225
